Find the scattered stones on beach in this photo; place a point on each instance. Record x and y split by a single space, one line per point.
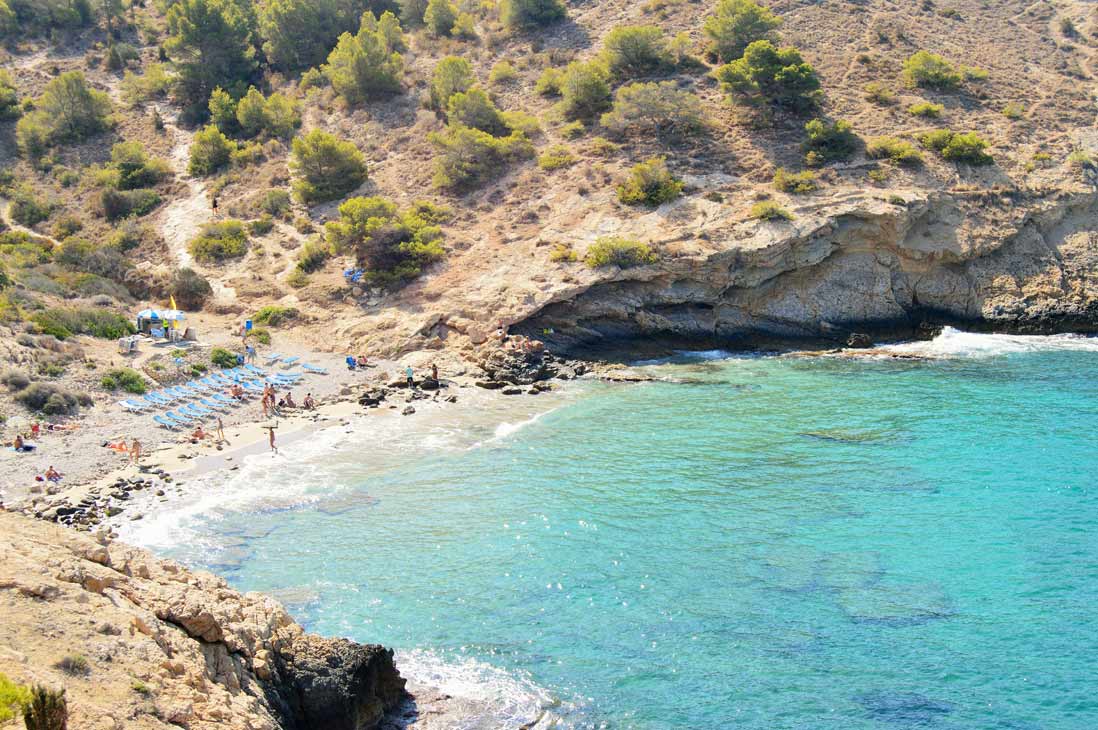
408 411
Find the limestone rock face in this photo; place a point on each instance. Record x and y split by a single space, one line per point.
170 647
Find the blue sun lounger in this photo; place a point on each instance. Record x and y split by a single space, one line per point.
133 406
289 361
195 411
272 358
156 399
214 405
314 369
224 400
166 423
181 418
257 371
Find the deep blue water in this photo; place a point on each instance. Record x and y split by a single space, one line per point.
757 543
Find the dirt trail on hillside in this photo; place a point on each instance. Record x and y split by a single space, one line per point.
5 216
183 217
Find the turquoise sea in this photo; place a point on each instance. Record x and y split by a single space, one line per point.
753 542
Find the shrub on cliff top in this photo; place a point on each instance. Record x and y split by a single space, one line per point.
893 149
616 251
829 142
391 244
768 210
798 183
926 109
968 147
325 167
766 74
468 157
274 315
527 14
659 109
649 183
635 50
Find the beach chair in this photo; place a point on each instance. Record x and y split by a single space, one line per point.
257 371
289 361
195 410
166 423
198 387
178 392
158 398
224 400
252 387
314 369
182 420
133 406
272 358
214 405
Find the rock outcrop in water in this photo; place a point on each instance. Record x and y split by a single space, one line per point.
167 647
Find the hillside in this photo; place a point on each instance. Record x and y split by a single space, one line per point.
883 234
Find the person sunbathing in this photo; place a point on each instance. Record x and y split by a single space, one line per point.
20 445
198 435
53 475
309 403
362 362
237 391
290 401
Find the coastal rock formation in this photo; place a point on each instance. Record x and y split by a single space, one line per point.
167 647
1005 259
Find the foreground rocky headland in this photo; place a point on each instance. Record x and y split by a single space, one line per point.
139 642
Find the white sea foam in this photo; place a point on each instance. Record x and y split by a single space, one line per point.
506 429
491 697
954 343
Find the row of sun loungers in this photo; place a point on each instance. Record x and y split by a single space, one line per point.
201 399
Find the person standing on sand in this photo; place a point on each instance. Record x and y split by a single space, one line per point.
409 373
434 372
271 438
220 430
135 452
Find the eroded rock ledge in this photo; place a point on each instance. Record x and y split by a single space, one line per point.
168 647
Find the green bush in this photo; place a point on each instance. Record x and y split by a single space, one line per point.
46 709
117 204
297 278
527 14
1013 110
556 157
274 315
585 90
211 150
968 147
12 698
10 108
261 226
660 109
325 167
275 203
261 335
768 210
222 108
27 209
298 35
153 83
366 66
439 17
931 71
502 73
312 256
63 323
468 157
211 44
799 183
649 183
879 94
275 116
635 50
828 142
621 252
190 289
474 109
134 169
735 24
973 73
893 149
70 110
562 254
219 241
51 399
778 76
222 358
926 109
125 378
392 245
550 82
452 75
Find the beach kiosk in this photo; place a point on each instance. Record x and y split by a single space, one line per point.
166 323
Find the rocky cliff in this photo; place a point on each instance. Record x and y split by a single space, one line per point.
139 642
1005 259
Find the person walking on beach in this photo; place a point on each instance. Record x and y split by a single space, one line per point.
135 452
271 438
434 372
408 372
220 430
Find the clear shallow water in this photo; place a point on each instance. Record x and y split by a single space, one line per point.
759 542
